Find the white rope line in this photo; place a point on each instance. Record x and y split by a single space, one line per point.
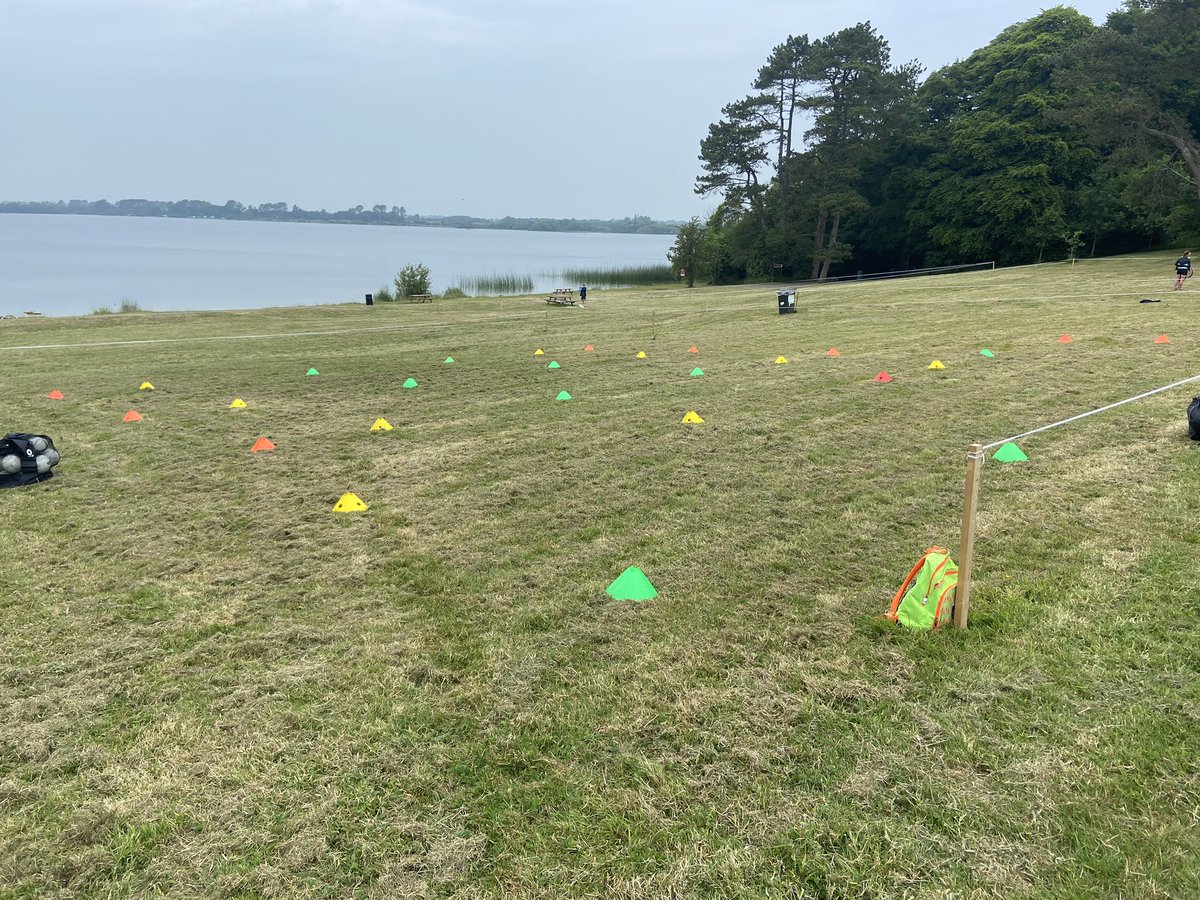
1093 412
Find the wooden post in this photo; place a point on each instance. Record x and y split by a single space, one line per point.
966 546
654 326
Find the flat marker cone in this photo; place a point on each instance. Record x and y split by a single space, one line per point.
1065 339
563 395
146 386
632 584
539 352
348 503
312 372
448 361
554 364
55 394
697 372
988 353
262 444
693 349
641 354
238 403
411 383
589 348
883 378
1010 452
781 360
381 425
936 364
1162 339
691 419
832 351
132 416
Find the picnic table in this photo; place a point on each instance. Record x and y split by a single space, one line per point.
561 297
420 298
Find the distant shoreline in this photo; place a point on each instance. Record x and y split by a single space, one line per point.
395 216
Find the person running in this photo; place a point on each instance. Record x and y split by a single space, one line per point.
1183 269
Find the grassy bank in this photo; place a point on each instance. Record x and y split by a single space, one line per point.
214 686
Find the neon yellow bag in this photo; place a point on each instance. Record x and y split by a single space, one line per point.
926 599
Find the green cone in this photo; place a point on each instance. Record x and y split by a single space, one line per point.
988 353
632 584
449 361
411 383
312 372
563 395
554 365
1010 453
697 372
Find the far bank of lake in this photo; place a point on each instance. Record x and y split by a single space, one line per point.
71 265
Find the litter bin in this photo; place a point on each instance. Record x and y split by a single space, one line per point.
787 301
370 300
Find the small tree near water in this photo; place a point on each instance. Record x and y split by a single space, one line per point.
413 279
686 253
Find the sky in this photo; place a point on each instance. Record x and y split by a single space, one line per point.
554 108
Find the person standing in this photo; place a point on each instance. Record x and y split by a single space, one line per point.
582 294
1183 269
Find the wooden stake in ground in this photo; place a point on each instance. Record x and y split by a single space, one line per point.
966 546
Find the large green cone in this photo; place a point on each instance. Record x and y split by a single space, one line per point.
632 584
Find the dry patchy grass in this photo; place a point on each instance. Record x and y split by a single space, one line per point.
214 686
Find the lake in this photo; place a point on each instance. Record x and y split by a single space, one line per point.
63 265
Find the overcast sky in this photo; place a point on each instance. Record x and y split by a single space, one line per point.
564 108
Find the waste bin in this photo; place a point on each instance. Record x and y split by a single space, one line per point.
787 301
370 300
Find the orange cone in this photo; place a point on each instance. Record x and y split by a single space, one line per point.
1162 339
55 394
693 349
132 416
1065 339
832 351
589 348
883 377
262 444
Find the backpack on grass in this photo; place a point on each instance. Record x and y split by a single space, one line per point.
1194 419
925 600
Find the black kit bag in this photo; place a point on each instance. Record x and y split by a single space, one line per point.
1194 419
26 459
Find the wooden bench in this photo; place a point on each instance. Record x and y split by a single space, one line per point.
420 298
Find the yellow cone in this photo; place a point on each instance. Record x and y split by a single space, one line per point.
350 503
936 364
146 386
641 354
538 352
238 403
692 419
381 425
781 360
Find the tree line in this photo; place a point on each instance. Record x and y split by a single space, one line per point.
1059 137
357 215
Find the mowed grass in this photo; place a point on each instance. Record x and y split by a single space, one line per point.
214 686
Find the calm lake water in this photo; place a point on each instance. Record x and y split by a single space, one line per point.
69 265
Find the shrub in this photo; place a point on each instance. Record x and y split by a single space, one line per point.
413 279
451 293
384 294
129 306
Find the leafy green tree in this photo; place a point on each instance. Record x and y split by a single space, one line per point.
686 252
998 172
412 279
1134 87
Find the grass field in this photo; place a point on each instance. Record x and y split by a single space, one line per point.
214 686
